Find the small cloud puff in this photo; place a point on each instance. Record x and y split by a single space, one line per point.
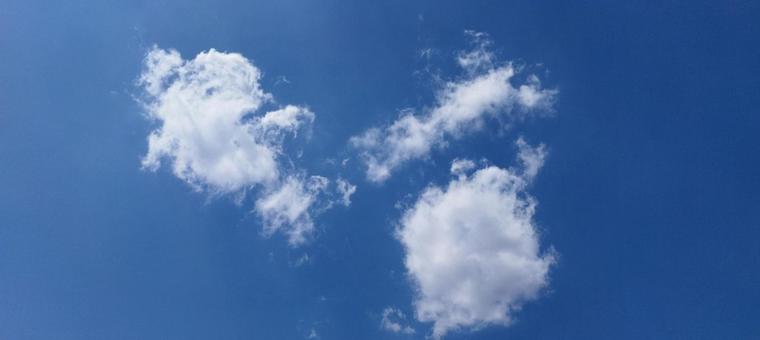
346 190
393 321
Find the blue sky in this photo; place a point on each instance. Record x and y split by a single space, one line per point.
605 187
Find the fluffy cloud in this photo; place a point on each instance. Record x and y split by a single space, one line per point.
487 91
472 249
217 139
393 320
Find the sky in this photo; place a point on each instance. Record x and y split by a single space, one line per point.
379 170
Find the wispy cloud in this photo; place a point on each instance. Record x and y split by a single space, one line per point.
461 107
394 321
346 190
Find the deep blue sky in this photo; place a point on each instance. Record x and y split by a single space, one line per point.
650 195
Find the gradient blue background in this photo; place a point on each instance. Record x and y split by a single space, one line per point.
650 194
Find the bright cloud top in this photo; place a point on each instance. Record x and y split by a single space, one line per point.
217 140
460 108
472 248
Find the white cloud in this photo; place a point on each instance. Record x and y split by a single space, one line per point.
531 158
472 249
217 139
345 189
461 107
290 118
288 206
461 167
393 320
480 56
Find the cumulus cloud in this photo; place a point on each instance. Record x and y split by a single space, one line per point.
461 107
393 321
216 136
471 248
